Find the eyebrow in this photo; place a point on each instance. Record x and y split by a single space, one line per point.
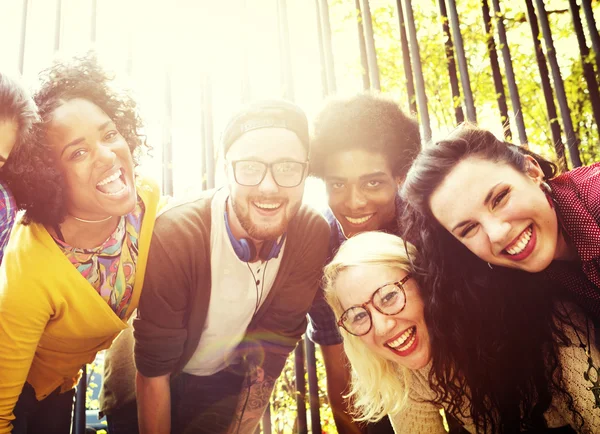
361 178
78 140
487 199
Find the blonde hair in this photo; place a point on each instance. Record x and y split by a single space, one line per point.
379 386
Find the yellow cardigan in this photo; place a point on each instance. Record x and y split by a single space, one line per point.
52 321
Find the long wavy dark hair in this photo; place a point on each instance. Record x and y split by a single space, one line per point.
495 333
35 179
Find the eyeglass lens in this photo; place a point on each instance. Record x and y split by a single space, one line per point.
285 173
389 300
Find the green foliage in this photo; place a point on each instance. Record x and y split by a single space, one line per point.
284 410
435 73
91 394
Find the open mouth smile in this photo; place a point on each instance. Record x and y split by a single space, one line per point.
405 343
359 220
522 246
266 207
113 185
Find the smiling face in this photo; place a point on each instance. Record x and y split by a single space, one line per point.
94 159
361 189
402 338
500 214
264 211
8 138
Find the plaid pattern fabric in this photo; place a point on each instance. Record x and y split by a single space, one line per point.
8 212
322 324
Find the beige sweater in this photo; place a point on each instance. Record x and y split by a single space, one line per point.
424 417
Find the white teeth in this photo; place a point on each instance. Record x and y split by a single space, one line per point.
405 340
267 205
117 192
110 178
521 243
358 221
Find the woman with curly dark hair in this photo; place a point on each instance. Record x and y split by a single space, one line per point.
498 355
17 114
74 266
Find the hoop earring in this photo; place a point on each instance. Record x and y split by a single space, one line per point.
546 187
547 190
490 265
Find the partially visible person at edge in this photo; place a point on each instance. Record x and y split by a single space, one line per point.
361 148
80 249
230 279
512 209
500 355
17 114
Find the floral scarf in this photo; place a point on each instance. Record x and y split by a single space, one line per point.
110 267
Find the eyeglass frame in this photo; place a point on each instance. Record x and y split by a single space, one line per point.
399 284
268 169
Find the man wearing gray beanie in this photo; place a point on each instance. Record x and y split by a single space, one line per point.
230 278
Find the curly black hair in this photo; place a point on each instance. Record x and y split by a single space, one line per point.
16 106
495 333
365 121
35 180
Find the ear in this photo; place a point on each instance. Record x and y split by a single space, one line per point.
533 170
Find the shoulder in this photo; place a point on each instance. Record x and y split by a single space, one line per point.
309 223
577 190
187 209
584 177
29 254
147 188
185 219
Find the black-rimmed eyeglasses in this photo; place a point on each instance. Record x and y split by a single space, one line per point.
389 299
251 173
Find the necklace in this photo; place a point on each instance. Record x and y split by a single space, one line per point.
92 221
592 369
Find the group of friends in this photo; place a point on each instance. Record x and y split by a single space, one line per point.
451 286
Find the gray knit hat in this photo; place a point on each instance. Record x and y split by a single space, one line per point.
272 113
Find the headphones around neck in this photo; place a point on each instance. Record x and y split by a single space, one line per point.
245 250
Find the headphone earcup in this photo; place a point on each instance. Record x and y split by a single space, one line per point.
244 250
247 251
271 249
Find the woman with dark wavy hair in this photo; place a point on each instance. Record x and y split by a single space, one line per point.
498 355
17 114
74 266
511 209
483 209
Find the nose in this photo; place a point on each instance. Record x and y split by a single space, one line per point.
355 199
105 155
268 184
497 231
382 324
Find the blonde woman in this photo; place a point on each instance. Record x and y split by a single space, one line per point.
414 352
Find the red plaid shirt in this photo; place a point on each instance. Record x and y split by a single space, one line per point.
577 196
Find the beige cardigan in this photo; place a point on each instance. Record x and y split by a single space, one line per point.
423 417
